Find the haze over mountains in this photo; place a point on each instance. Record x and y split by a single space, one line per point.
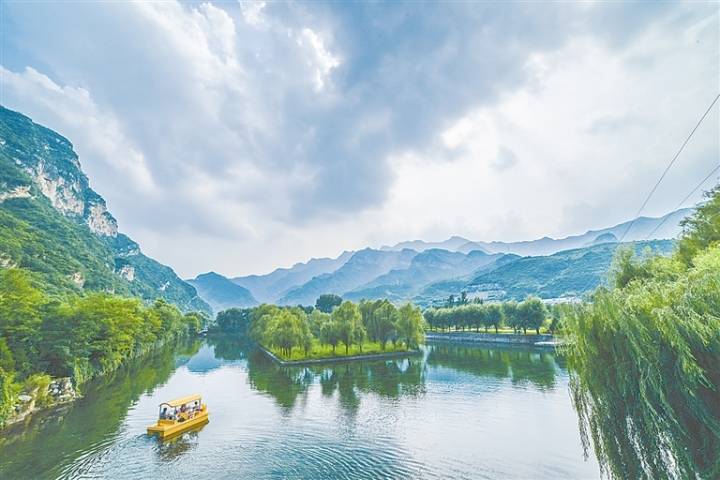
428 272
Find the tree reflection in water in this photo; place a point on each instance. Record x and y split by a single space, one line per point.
520 364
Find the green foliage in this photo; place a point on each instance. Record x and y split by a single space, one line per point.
410 325
326 302
380 320
234 320
349 324
288 330
702 229
76 335
532 314
644 360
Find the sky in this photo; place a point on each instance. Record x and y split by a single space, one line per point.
242 136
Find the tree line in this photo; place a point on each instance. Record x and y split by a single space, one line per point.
77 336
346 323
520 316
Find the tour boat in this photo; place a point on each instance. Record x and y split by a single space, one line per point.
179 415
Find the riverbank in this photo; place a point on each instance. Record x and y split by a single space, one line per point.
350 358
542 340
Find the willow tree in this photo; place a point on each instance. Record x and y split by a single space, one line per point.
645 361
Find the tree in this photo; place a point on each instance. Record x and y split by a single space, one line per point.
450 301
463 298
316 320
330 334
493 316
411 325
532 313
234 320
288 329
349 324
385 322
327 301
511 314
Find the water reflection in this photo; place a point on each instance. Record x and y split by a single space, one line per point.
90 424
420 417
390 379
521 365
173 448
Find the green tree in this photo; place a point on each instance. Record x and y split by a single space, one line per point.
532 313
411 325
234 320
493 316
384 325
512 315
349 324
316 320
327 301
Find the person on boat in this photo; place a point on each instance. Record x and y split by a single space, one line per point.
164 413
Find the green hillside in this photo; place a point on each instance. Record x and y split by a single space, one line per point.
569 273
53 224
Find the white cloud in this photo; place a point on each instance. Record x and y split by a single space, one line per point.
97 134
259 135
321 60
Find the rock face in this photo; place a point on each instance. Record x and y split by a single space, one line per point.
127 272
21 191
60 391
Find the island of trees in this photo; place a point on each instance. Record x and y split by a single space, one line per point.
333 328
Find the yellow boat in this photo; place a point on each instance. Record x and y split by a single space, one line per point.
179 415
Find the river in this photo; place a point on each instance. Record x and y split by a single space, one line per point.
455 412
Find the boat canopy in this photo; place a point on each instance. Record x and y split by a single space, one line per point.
182 401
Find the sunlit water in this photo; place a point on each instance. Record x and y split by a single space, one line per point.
455 412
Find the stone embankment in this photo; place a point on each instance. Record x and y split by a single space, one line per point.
504 338
60 391
351 358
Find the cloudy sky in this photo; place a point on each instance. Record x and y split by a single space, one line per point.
242 136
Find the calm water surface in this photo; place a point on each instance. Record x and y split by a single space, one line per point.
455 412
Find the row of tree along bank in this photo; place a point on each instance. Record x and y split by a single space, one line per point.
530 314
297 333
75 336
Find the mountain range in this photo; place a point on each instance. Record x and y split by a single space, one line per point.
428 272
53 224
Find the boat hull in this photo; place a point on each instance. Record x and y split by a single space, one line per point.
165 429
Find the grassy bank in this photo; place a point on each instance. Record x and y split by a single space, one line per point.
320 351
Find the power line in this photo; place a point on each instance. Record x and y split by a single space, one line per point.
682 147
682 202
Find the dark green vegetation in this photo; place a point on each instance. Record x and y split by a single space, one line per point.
78 336
528 314
53 224
294 334
221 293
645 359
